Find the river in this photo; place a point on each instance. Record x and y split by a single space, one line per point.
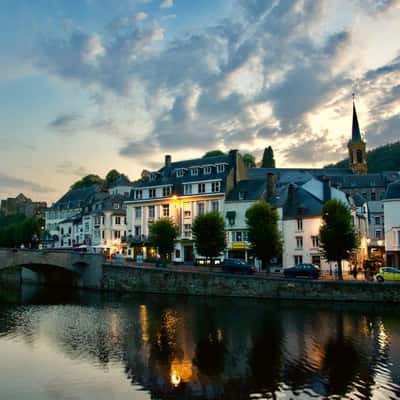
57 344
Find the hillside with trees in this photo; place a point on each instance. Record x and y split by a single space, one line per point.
92 179
383 158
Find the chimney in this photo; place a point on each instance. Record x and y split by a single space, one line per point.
168 160
271 185
326 189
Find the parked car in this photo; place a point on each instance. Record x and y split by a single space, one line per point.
388 274
303 271
233 265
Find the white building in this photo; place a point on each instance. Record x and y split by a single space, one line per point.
391 206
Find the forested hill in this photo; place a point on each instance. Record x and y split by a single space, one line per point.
384 158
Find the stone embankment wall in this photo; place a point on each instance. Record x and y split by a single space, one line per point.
158 280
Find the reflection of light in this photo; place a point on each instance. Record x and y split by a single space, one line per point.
144 323
220 336
382 337
114 325
175 378
380 242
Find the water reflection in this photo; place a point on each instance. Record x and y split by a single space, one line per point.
196 348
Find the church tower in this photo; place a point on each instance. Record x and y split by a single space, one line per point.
357 147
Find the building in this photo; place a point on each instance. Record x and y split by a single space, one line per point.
22 205
391 205
180 191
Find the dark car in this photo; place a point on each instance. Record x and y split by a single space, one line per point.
233 265
303 271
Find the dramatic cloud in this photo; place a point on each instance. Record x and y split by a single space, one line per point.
273 73
69 168
66 123
16 184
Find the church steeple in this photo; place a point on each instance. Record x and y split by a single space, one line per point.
357 147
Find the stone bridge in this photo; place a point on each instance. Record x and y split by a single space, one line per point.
52 267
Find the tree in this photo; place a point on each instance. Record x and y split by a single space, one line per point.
268 160
88 180
209 234
249 160
263 232
213 153
337 234
162 235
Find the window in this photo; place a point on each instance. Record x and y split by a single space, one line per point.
125 220
117 220
237 236
102 220
152 193
377 220
216 187
187 189
359 156
69 230
202 188
87 227
166 191
315 241
116 206
187 230
117 234
220 168
151 212
152 177
299 242
378 234
165 210
207 170
242 195
138 194
373 196
298 260
138 212
102 234
299 224
398 238
200 208
179 173
215 206
138 230
194 171
316 260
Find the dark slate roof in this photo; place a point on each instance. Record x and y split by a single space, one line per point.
359 181
393 191
355 131
167 174
122 180
247 190
76 198
359 200
302 203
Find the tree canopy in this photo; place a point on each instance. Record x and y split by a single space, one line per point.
249 160
92 179
268 160
337 234
213 153
263 232
209 234
163 234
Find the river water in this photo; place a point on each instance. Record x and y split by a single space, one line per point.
84 345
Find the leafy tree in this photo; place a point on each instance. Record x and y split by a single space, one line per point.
112 176
87 181
337 234
18 229
209 234
263 232
162 235
213 153
249 160
268 160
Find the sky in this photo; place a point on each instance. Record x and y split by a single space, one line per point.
91 85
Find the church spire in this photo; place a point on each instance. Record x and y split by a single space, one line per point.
355 133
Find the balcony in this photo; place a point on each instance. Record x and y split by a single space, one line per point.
137 239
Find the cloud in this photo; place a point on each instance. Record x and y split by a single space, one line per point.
65 123
260 76
12 183
69 168
167 4
140 16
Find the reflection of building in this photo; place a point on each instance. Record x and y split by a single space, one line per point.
392 224
22 205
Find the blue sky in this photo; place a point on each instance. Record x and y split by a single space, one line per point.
90 85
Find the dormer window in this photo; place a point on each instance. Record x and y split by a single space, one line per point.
242 195
220 168
179 173
207 170
138 194
166 191
194 171
116 206
152 176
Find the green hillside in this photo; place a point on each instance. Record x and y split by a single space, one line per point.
384 158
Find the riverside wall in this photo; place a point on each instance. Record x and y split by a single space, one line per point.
162 280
